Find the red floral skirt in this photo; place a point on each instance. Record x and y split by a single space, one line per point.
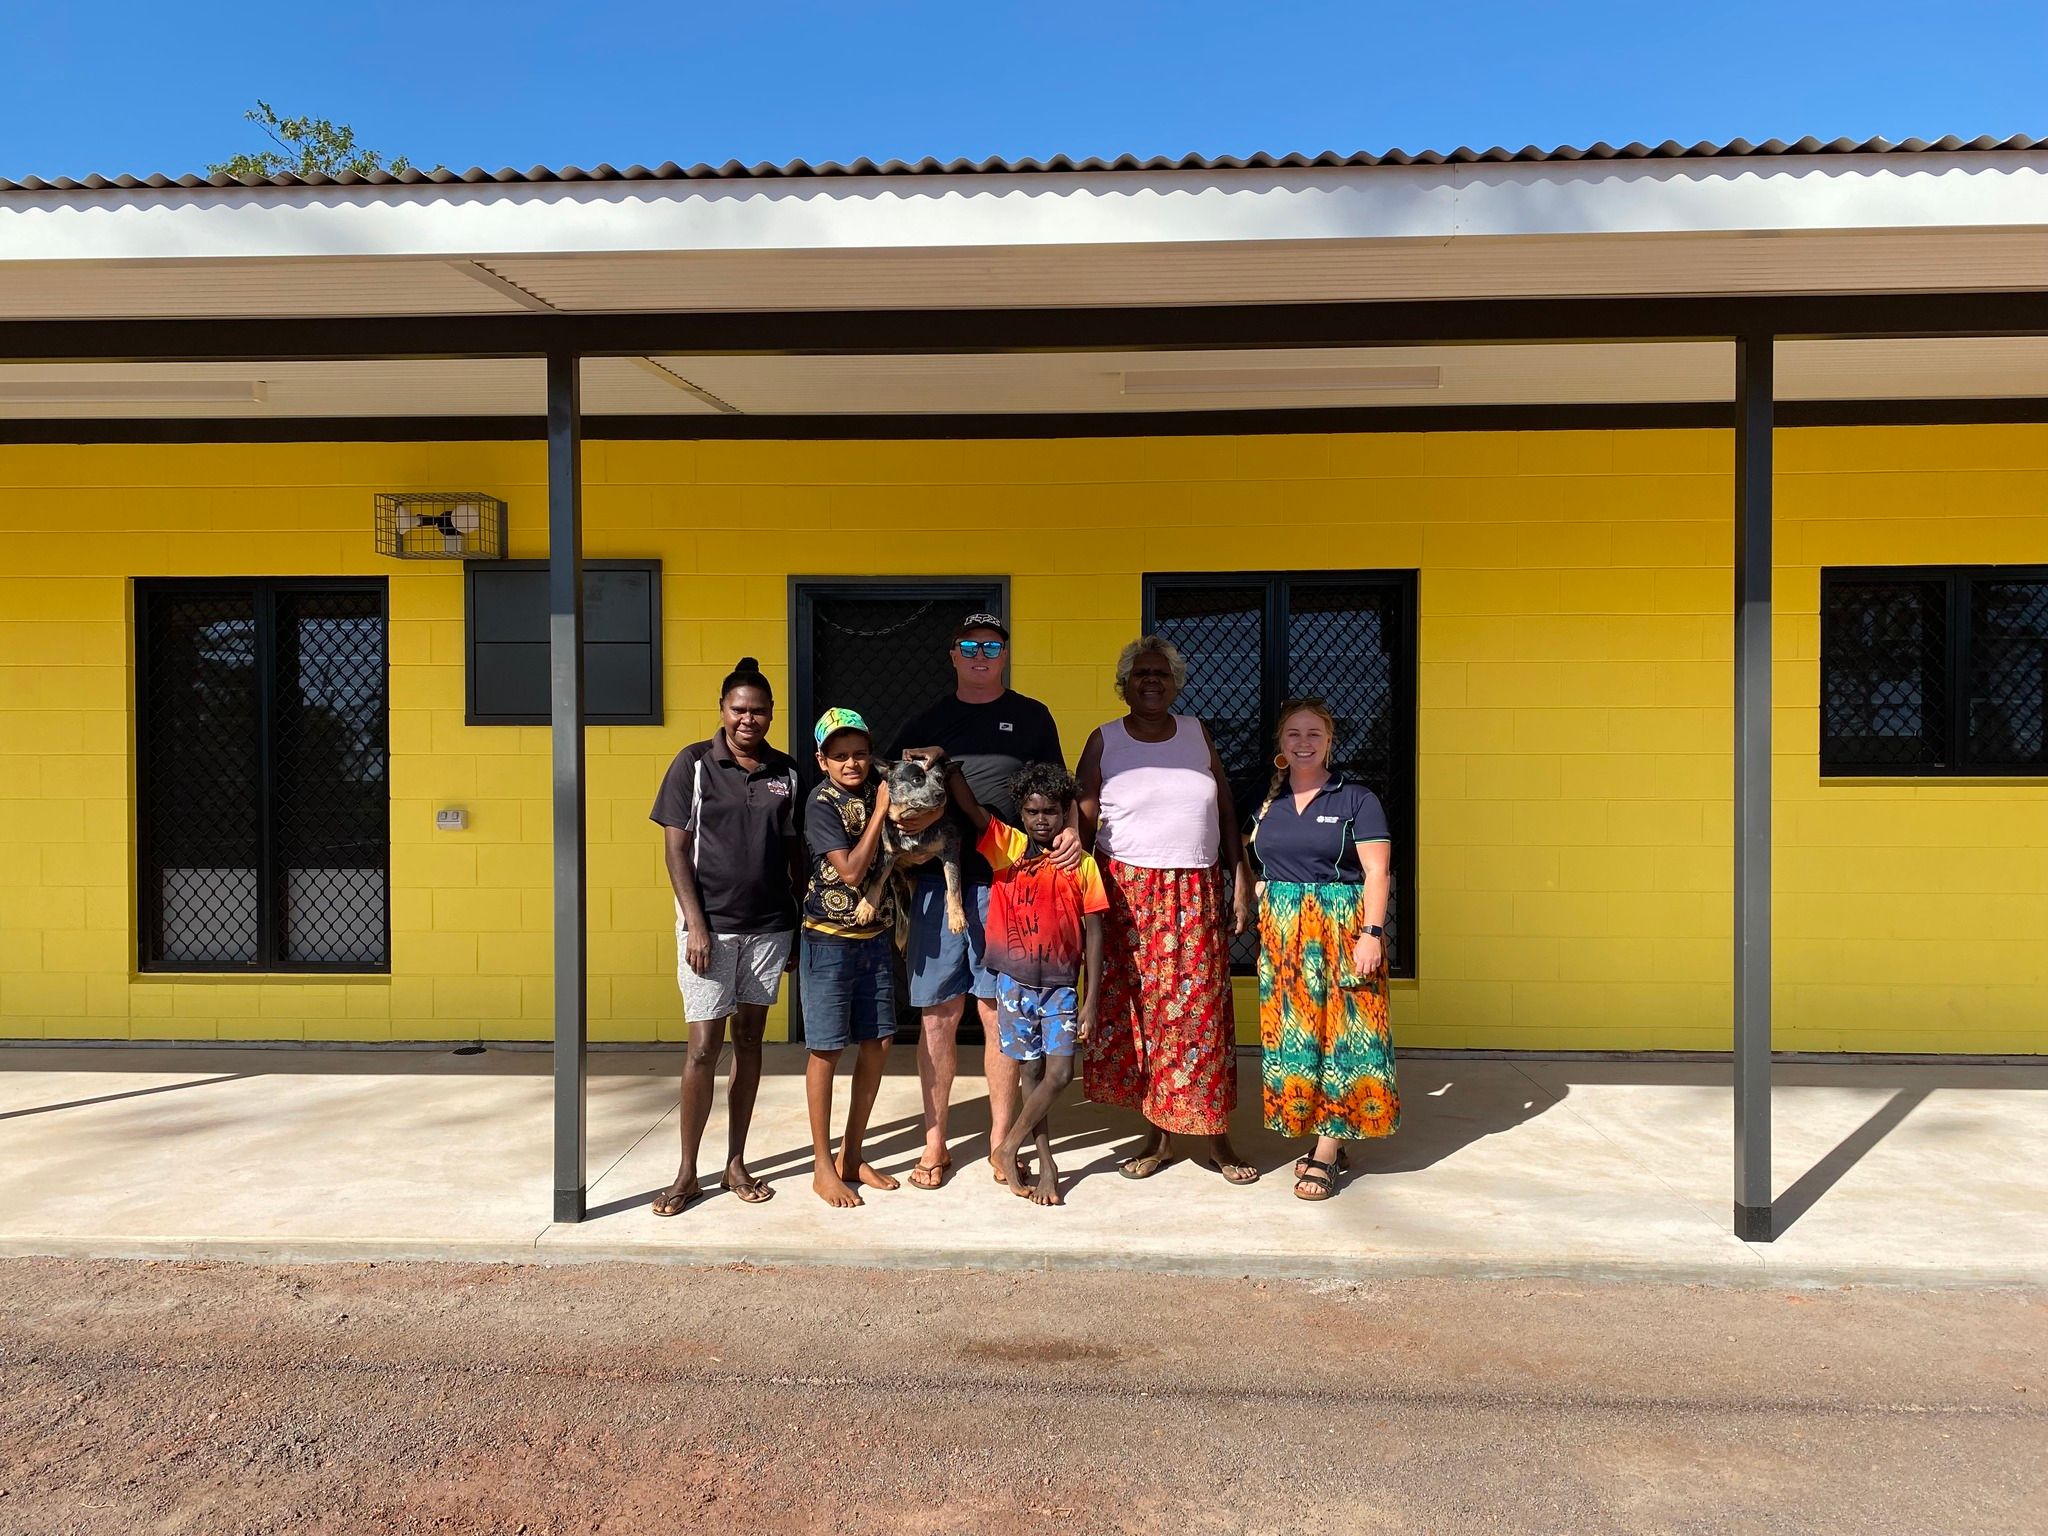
1165 1041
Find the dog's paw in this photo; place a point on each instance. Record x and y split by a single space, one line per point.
956 920
865 912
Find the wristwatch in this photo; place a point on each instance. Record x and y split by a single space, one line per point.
1373 931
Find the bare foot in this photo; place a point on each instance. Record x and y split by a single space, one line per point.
833 1191
1005 1161
868 1174
1047 1190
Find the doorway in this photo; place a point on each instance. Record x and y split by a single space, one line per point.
877 645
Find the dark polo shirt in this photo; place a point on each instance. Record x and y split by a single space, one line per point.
990 742
1319 846
740 825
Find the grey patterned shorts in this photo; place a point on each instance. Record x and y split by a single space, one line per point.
745 968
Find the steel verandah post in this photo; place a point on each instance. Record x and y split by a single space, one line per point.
1754 356
565 696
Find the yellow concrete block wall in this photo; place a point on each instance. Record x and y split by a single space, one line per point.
1574 830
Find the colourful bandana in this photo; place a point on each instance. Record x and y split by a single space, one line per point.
839 720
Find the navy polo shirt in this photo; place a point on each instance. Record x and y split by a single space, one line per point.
1319 846
740 824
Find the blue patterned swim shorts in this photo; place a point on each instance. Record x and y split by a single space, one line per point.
1035 1022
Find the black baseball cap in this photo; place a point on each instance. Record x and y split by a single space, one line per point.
975 621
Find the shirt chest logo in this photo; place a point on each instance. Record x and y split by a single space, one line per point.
1004 725
1328 821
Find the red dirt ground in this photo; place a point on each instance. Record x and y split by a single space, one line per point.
224 1399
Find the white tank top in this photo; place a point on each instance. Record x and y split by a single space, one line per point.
1158 799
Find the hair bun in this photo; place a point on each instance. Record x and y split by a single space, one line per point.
746 664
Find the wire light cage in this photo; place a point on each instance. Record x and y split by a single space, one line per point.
440 525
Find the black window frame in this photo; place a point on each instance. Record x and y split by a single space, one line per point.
471 715
264 591
1957 760
1274 688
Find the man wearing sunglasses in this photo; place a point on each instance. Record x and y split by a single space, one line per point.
989 732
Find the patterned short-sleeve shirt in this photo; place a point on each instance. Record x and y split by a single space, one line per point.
834 820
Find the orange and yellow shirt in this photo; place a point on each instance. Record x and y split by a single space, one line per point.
1035 910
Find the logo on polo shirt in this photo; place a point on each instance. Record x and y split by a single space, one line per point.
1328 821
1004 725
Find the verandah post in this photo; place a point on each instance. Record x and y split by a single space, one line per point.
565 700
1754 357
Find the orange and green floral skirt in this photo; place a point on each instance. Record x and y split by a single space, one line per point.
1329 1053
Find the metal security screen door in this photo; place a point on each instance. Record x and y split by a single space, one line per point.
878 647
263 839
1252 640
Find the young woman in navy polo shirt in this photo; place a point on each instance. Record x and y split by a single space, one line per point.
1322 844
727 808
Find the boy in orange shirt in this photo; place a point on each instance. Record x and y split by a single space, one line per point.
1043 923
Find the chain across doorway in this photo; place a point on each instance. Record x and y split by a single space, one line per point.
877 645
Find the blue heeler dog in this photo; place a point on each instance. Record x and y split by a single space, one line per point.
915 785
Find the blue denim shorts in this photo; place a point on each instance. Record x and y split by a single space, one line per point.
946 965
1034 1022
848 989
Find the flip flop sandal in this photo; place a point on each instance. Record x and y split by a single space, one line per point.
750 1194
1144 1167
1235 1173
1318 1176
1343 1162
676 1205
936 1172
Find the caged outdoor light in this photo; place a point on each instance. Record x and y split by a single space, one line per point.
440 525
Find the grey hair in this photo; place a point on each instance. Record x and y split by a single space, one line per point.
1156 645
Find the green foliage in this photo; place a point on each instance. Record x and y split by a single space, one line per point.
305 146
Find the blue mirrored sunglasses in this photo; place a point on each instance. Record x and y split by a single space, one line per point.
989 648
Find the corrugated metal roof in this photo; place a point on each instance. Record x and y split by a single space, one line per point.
734 170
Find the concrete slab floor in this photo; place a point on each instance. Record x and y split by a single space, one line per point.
1887 1173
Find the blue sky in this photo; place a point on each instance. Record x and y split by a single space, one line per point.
114 87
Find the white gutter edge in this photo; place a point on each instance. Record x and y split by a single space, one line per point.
1790 194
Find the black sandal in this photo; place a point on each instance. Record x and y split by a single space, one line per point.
1318 1176
1343 1162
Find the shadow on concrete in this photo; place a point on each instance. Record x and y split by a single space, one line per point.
1443 1111
132 1093
1824 1175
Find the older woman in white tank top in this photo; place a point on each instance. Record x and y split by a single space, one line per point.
1157 805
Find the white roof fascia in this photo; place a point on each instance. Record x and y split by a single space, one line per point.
1437 202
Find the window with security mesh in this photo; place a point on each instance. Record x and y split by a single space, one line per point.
262 776
1252 641
1932 671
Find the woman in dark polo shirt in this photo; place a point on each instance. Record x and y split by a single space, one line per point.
728 809
1323 848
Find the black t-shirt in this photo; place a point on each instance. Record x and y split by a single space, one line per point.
834 820
1319 846
740 825
990 742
